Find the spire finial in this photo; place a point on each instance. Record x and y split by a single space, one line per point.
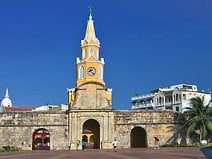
7 93
90 11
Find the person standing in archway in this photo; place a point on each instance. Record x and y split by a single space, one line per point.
114 144
83 144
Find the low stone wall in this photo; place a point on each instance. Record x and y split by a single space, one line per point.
162 124
17 128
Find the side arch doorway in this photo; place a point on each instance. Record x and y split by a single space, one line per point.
138 137
41 139
91 134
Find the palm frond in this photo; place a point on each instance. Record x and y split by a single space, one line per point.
191 128
198 118
209 126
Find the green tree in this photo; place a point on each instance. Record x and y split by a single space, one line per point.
198 119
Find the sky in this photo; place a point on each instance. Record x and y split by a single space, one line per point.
146 44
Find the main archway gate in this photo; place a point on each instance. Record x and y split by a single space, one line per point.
91 133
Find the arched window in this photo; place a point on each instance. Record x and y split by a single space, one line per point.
83 53
81 72
91 52
86 53
97 54
100 72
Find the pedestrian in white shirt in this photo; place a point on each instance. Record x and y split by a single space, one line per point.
114 144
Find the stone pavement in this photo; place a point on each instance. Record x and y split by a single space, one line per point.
137 153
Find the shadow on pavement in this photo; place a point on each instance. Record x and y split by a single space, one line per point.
207 151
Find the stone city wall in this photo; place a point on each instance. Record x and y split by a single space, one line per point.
162 124
17 128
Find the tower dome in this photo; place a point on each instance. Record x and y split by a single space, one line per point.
6 102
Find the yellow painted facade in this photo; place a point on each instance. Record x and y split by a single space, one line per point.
90 68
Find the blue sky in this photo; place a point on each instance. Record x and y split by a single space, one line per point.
145 44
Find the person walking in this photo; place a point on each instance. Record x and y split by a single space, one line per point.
78 144
114 144
69 145
157 143
83 144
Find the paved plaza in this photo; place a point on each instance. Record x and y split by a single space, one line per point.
137 153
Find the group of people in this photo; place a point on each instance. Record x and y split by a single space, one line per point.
114 144
156 144
78 144
83 143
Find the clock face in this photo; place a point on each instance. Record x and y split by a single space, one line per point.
91 71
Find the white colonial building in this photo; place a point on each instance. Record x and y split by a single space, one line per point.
176 97
6 101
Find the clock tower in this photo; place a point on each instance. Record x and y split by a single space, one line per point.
90 66
90 102
90 91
